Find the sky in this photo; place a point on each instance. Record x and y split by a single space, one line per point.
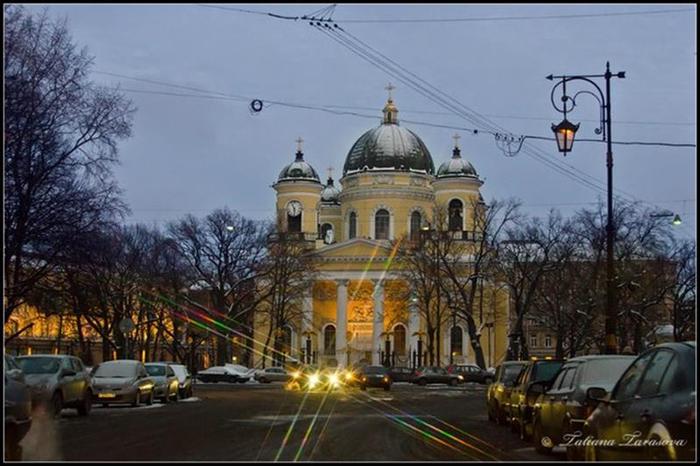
195 154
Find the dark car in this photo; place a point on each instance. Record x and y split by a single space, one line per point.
433 374
563 407
471 373
498 395
217 374
650 414
522 399
375 376
400 374
18 409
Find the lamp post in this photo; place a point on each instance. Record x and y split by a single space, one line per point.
676 218
565 133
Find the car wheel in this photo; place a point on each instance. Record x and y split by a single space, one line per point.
363 387
104 405
454 382
422 382
189 392
537 438
149 401
262 380
176 396
387 388
137 399
166 397
514 426
490 414
524 435
488 381
57 404
85 407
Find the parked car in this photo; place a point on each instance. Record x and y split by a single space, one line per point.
522 399
184 379
650 414
216 374
272 374
244 373
122 381
400 374
471 373
58 381
563 406
498 395
18 409
375 376
432 374
166 383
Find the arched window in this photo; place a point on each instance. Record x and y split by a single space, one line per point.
415 225
456 341
352 230
294 224
329 340
400 340
325 235
381 224
455 215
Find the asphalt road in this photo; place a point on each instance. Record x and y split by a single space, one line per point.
233 422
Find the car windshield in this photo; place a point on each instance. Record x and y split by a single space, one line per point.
605 371
547 370
511 372
155 370
39 365
375 370
116 370
180 371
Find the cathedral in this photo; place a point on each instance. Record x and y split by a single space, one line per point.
359 308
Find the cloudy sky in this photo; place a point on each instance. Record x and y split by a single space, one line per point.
194 151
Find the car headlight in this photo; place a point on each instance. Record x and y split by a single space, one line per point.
313 380
333 379
386 379
296 374
460 377
349 375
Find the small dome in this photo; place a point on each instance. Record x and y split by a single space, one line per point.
299 170
330 193
456 167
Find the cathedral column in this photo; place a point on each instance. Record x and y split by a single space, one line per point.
377 322
307 321
341 323
413 325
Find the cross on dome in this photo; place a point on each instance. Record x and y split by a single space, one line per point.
456 137
390 87
299 142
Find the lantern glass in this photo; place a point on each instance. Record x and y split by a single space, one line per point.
565 133
677 220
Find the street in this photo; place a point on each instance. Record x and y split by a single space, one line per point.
257 422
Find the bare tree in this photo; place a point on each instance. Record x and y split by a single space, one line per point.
468 262
224 251
286 273
61 133
683 293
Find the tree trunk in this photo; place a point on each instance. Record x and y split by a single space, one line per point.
475 341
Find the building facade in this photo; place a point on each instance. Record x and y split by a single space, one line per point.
358 309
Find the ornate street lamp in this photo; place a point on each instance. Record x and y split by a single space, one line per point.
565 132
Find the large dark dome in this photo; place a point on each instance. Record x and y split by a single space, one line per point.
389 147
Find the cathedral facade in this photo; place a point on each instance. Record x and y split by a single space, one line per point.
359 307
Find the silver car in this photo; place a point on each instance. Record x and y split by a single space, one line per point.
184 378
122 381
166 383
58 381
272 374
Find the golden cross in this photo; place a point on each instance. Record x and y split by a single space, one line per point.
299 142
390 88
456 137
